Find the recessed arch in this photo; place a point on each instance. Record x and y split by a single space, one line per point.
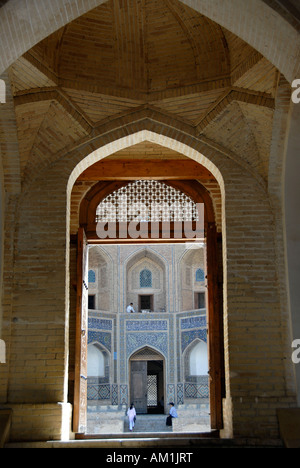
197 193
96 361
99 190
31 210
146 259
146 352
197 358
100 262
135 136
143 362
196 369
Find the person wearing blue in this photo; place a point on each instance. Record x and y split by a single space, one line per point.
172 414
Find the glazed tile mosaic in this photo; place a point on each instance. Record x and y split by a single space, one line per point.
166 337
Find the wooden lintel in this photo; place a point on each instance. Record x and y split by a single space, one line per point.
193 242
139 169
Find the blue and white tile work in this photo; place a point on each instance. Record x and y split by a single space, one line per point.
100 331
172 328
199 321
100 337
146 325
95 323
187 337
157 341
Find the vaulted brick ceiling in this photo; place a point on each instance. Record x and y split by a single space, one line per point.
126 55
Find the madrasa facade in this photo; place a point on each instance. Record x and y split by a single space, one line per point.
157 352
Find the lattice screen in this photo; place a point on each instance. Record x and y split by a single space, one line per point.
145 279
146 354
151 390
146 200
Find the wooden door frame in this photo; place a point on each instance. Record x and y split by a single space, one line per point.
81 332
199 194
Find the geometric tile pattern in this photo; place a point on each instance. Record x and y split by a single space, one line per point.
158 341
171 393
140 325
193 322
180 396
189 336
192 390
100 337
99 324
123 394
98 392
114 394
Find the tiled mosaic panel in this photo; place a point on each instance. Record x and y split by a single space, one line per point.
193 322
142 325
158 341
100 337
123 394
98 392
171 393
99 324
180 395
114 394
196 390
189 336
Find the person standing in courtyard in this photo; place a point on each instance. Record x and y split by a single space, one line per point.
131 413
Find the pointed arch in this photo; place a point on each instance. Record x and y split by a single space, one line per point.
145 353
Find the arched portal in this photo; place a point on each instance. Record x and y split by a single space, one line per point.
250 296
159 328
147 380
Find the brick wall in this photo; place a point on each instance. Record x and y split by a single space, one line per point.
38 328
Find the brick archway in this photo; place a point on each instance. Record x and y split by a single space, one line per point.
251 295
236 254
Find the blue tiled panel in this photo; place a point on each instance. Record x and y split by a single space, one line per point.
189 336
98 392
103 338
193 322
99 324
158 341
196 390
144 325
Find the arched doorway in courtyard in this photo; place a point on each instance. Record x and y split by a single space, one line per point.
147 381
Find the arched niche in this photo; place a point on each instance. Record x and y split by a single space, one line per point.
101 292
196 369
193 266
151 297
96 361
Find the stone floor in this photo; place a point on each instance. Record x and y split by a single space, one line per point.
149 423
113 420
